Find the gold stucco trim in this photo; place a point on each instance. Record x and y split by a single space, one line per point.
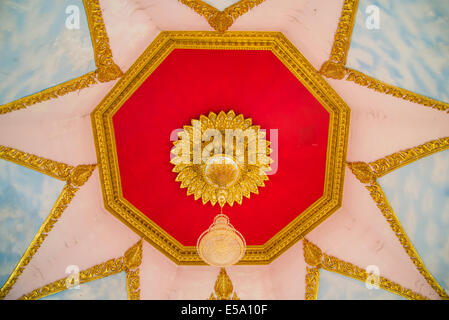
335 67
333 264
312 283
368 173
221 20
129 262
150 59
75 177
107 70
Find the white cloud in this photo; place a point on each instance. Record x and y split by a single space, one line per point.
445 212
427 202
432 234
410 222
440 173
412 186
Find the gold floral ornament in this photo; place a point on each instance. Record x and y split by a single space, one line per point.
234 164
221 20
223 288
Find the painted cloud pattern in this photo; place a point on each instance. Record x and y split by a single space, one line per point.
334 286
37 50
109 288
409 50
26 198
419 195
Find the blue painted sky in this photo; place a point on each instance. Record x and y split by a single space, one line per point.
334 286
109 288
419 195
409 50
26 199
37 51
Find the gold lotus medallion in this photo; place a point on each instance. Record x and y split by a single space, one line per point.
221 158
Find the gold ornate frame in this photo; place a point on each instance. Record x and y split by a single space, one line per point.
316 260
106 71
75 177
130 263
221 20
335 67
161 47
368 173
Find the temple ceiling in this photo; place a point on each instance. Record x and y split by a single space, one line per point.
352 95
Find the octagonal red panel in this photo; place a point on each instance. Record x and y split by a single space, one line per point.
191 82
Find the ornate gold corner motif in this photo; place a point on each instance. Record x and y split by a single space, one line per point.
223 288
106 71
129 262
221 20
214 180
150 59
75 177
362 171
383 166
335 67
333 264
312 254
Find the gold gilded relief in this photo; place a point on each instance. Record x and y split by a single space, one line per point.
106 71
368 173
146 64
130 263
75 177
335 67
221 20
333 264
223 288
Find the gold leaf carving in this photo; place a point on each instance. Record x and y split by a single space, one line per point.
336 68
362 171
221 20
312 254
130 260
52 168
107 70
133 256
379 197
312 283
284 50
399 159
80 174
223 288
56 170
223 182
348 269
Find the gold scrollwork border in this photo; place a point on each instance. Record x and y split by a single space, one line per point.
335 67
75 177
221 20
368 173
150 59
106 71
316 260
130 263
